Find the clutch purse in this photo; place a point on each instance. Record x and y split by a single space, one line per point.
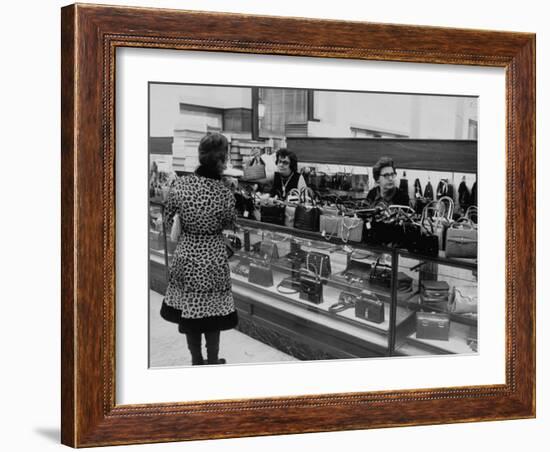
369 307
431 325
260 273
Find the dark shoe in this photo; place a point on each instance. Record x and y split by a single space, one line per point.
218 361
197 362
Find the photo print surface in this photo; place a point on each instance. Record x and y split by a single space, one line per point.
292 224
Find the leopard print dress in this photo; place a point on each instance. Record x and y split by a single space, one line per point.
199 285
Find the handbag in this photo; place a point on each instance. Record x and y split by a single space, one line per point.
306 217
260 273
352 229
267 250
319 261
369 307
464 300
434 326
420 238
434 296
292 200
254 170
461 240
274 214
381 275
176 228
311 287
232 244
330 226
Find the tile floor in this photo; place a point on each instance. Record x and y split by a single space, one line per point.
168 347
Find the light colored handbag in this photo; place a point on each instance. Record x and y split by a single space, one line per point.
352 229
330 226
292 201
461 240
464 300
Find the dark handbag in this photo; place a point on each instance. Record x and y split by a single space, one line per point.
260 273
319 261
274 214
434 326
381 276
419 238
311 287
369 307
434 296
307 217
232 244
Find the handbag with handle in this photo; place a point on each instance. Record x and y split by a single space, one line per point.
274 214
369 307
260 273
434 296
311 286
254 170
461 240
292 200
352 229
306 217
330 225
464 300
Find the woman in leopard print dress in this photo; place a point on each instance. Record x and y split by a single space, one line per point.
199 296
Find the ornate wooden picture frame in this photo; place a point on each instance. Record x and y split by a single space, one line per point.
90 37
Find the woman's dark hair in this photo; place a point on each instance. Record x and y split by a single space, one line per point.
382 162
212 155
283 152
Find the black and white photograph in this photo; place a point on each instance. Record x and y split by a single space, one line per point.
292 224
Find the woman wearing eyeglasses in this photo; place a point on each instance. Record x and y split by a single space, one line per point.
287 176
386 188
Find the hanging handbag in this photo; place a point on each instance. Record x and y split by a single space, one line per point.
464 300
369 307
254 170
434 326
260 273
306 217
434 296
461 240
311 287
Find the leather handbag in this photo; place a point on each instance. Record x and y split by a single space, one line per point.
306 217
369 307
461 240
434 296
311 287
330 225
464 300
260 273
267 250
352 229
381 276
254 170
420 238
274 214
319 261
434 326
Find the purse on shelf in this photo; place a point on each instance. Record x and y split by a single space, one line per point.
320 261
260 273
420 237
352 229
461 240
267 250
311 287
330 225
274 213
369 307
434 296
434 326
346 300
306 216
464 300
292 200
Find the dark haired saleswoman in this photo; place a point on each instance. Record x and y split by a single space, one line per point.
287 176
386 188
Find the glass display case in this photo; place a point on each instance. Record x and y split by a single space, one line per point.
316 297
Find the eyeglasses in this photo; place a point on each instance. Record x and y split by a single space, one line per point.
388 175
283 162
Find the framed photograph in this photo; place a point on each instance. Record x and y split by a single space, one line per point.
282 225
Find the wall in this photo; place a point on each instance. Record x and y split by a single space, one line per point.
30 391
